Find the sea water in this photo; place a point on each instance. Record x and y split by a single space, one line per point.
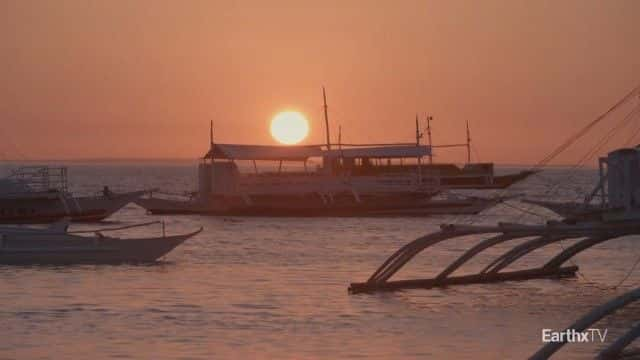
276 288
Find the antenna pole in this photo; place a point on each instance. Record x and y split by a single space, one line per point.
326 118
429 118
468 144
418 136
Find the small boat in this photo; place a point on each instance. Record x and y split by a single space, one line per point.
32 195
615 197
56 245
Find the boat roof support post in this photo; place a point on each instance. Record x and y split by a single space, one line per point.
468 144
326 118
627 183
603 194
429 118
418 157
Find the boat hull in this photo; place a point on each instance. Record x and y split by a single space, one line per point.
42 210
481 182
371 206
64 249
569 210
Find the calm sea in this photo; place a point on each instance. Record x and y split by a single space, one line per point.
277 287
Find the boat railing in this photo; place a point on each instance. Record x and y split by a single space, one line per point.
42 178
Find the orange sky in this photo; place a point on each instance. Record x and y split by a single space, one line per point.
141 79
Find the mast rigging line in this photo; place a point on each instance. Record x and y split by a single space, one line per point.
554 184
624 122
449 145
572 139
633 136
115 228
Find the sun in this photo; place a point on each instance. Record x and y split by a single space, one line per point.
289 127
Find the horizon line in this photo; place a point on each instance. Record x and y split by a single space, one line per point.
169 159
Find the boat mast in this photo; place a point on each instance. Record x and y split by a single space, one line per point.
341 164
326 118
468 144
211 134
418 137
210 140
429 118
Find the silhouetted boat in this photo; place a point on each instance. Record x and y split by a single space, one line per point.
351 180
447 175
619 216
40 195
452 176
55 245
224 190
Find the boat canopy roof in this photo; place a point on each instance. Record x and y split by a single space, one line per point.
381 152
263 152
303 152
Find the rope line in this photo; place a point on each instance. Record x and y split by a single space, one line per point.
572 139
633 268
114 229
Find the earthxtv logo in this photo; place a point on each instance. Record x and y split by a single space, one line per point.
574 336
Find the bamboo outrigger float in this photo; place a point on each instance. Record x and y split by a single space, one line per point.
618 217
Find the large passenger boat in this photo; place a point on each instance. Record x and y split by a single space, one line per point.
345 180
326 190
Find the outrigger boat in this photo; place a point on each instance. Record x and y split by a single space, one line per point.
352 180
56 245
447 175
32 195
622 193
330 190
224 190
619 216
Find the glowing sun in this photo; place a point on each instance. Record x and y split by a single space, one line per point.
289 127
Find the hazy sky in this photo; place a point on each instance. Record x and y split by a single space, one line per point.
142 79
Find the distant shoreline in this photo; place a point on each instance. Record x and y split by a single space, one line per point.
185 160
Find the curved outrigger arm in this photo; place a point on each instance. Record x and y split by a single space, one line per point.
614 350
589 234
